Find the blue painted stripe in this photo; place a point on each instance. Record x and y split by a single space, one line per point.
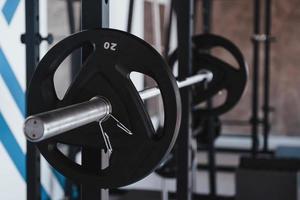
17 93
12 83
60 178
44 195
9 9
62 181
15 152
12 147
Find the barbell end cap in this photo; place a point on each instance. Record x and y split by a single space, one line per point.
34 129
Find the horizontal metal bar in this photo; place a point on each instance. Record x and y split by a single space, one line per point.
49 124
203 75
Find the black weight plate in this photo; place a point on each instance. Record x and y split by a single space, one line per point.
229 78
225 77
169 166
106 73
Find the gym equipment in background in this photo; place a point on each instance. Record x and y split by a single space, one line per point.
225 77
230 78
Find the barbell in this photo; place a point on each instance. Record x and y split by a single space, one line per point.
49 124
103 94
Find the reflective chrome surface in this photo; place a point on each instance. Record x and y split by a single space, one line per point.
203 75
45 125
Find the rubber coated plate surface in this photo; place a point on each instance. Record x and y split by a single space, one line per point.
225 76
106 73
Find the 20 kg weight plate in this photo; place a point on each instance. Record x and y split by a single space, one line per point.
106 73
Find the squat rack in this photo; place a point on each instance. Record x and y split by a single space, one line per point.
257 39
32 58
259 124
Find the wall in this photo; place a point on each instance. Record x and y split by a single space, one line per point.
234 20
13 105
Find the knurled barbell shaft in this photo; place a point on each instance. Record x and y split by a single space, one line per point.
52 123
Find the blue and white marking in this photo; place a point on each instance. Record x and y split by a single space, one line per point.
12 108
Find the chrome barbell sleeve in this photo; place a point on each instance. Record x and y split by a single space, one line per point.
49 124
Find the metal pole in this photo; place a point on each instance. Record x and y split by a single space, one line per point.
152 92
75 56
206 9
266 106
95 14
156 25
130 15
255 82
32 58
184 11
75 66
167 29
71 17
207 15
